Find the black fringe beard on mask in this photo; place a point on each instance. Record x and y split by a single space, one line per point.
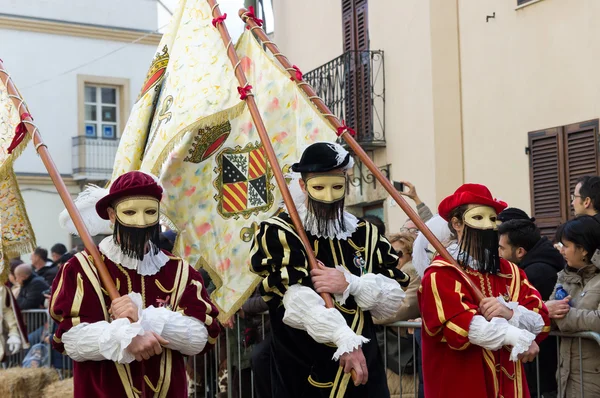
482 246
327 217
132 240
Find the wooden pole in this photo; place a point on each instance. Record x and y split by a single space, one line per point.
264 137
357 149
58 182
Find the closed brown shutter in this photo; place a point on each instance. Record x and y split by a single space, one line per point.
350 76
547 178
581 153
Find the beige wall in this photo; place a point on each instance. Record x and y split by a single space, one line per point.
462 93
308 32
525 70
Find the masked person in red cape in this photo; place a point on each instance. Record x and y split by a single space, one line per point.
314 348
471 348
164 297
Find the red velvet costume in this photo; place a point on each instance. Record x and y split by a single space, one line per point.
455 367
79 297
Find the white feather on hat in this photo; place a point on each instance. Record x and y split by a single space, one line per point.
420 257
86 204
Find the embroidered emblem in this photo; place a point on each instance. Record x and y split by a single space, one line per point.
157 71
359 263
243 182
207 141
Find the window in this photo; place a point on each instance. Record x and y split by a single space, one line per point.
101 111
559 156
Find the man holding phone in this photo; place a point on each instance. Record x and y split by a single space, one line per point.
407 189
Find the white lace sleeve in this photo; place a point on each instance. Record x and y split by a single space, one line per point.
497 333
373 292
100 341
305 310
524 318
185 334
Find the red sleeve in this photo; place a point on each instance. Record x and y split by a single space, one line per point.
196 303
446 307
531 299
74 300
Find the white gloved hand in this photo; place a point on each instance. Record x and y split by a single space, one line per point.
14 344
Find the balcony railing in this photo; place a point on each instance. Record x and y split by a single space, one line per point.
93 158
353 87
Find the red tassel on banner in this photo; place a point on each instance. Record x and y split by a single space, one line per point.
245 91
220 19
250 14
20 133
343 128
299 74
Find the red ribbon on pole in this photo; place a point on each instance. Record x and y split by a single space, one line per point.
20 133
245 91
220 19
343 128
250 14
299 74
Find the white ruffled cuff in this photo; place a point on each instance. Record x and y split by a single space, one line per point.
524 318
101 340
519 339
305 310
185 334
497 333
373 292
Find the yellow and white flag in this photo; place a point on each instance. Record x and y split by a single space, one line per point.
219 184
203 145
17 234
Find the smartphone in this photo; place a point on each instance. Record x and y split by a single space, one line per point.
399 186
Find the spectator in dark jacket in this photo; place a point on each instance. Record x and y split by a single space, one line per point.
31 295
522 243
57 251
43 266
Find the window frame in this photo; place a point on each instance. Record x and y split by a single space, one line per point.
122 104
99 105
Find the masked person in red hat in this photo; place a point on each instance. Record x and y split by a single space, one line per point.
471 348
313 348
164 297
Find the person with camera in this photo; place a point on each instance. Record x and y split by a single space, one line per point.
579 310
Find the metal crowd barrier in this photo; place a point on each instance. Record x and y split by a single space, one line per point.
225 371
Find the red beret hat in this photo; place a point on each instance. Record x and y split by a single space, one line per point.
133 183
469 194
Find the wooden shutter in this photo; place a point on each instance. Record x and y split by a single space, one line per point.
364 113
350 75
581 154
546 169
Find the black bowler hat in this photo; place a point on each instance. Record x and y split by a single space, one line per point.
512 213
321 157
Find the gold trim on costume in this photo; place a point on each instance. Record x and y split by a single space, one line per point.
162 288
88 269
57 292
168 372
463 347
456 329
458 290
56 339
344 309
286 248
199 288
125 381
129 286
143 291
438 301
76 306
491 362
319 385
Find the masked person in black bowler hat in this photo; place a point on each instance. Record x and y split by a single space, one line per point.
314 348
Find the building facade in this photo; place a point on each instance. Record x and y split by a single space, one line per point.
444 92
79 65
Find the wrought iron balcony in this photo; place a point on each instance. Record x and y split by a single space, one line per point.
93 158
353 87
